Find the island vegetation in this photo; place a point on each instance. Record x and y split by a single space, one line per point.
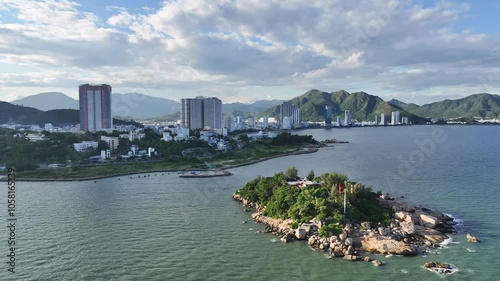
342 217
322 199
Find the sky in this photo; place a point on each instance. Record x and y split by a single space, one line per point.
416 51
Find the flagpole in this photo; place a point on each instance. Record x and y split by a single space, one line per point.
345 196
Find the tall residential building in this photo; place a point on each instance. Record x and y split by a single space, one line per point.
347 117
296 117
376 120
95 107
404 120
286 110
339 121
201 112
383 122
265 122
395 117
328 115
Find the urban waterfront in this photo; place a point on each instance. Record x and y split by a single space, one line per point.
164 227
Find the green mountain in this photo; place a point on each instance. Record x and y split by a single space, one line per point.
15 113
478 105
363 107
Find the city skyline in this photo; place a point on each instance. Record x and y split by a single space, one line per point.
419 51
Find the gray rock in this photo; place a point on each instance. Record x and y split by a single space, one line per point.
300 233
377 263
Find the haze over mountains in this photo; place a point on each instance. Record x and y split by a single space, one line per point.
137 106
47 107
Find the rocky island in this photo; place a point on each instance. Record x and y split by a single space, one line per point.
312 209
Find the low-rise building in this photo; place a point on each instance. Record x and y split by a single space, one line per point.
111 141
85 145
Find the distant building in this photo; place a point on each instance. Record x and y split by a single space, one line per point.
395 118
376 120
85 145
111 141
347 118
404 120
48 127
289 110
105 154
339 121
201 112
265 121
287 123
328 115
296 117
95 107
135 135
383 122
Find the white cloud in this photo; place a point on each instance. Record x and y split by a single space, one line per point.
230 47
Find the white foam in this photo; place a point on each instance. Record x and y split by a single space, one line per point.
470 250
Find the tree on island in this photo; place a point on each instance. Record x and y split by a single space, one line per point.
291 173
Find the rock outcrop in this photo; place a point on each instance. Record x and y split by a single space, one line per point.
472 238
411 230
440 267
387 246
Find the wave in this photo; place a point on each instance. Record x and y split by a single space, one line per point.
455 219
471 250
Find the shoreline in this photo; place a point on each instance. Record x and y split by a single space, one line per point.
414 230
299 152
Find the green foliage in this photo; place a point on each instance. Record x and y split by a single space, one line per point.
320 202
294 225
330 229
288 139
291 173
363 107
310 176
479 105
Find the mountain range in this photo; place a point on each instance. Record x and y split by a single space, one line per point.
10 113
478 105
363 107
137 106
57 108
130 105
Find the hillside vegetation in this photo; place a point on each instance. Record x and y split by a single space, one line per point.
363 106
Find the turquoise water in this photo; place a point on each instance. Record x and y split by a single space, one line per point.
163 227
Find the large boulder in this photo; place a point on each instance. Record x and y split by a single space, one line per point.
430 234
311 241
428 221
300 233
404 216
407 227
387 246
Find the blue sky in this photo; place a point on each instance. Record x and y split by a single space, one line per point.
414 50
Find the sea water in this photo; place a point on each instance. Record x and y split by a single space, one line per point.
164 227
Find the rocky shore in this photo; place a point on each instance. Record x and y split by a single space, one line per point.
413 230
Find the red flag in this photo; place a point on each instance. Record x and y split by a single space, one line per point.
340 188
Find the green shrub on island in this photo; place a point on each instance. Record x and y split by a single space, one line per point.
321 200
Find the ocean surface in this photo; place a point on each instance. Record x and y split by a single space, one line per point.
163 227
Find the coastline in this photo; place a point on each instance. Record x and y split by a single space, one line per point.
414 230
186 170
